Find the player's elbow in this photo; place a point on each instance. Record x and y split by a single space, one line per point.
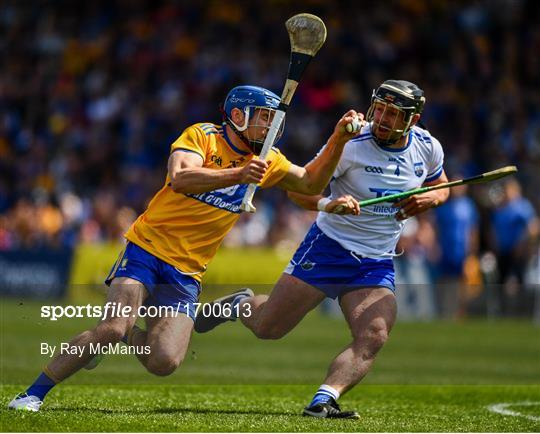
306 180
178 184
310 188
313 183
178 188
444 194
314 190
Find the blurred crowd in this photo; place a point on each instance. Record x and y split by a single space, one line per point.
92 94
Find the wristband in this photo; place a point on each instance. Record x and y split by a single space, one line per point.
321 204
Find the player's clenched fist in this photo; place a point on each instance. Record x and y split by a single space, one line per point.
253 171
349 125
416 204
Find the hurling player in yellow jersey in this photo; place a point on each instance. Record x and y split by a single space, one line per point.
170 245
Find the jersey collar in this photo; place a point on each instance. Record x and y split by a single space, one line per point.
230 143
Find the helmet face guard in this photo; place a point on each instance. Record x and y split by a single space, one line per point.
257 122
259 106
396 102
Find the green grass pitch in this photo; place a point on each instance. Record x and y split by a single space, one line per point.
439 376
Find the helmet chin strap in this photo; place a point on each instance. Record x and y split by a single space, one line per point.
253 146
388 142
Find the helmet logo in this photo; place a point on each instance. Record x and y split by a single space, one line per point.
246 100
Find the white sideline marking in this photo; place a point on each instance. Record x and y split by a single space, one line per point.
502 408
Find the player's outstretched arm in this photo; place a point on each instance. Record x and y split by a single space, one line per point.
188 176
345 204
315 175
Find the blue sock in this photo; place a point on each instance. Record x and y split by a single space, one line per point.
238 299
41 386
324 394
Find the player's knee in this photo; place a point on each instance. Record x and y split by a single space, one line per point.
380 336
163 365
161 369
269 331
377 338
373 339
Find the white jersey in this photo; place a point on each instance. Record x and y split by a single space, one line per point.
367 170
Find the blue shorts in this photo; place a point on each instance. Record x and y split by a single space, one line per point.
166 285
323 263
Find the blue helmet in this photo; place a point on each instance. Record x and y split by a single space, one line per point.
250 96
252 100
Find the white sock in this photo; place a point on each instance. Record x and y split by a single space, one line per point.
329 390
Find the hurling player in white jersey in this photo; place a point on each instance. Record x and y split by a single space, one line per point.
349 255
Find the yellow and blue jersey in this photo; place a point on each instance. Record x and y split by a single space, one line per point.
185 230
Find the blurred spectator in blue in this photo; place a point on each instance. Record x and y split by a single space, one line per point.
457 231
418 249
515 229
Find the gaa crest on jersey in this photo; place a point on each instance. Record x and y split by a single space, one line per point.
419 169
217 160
